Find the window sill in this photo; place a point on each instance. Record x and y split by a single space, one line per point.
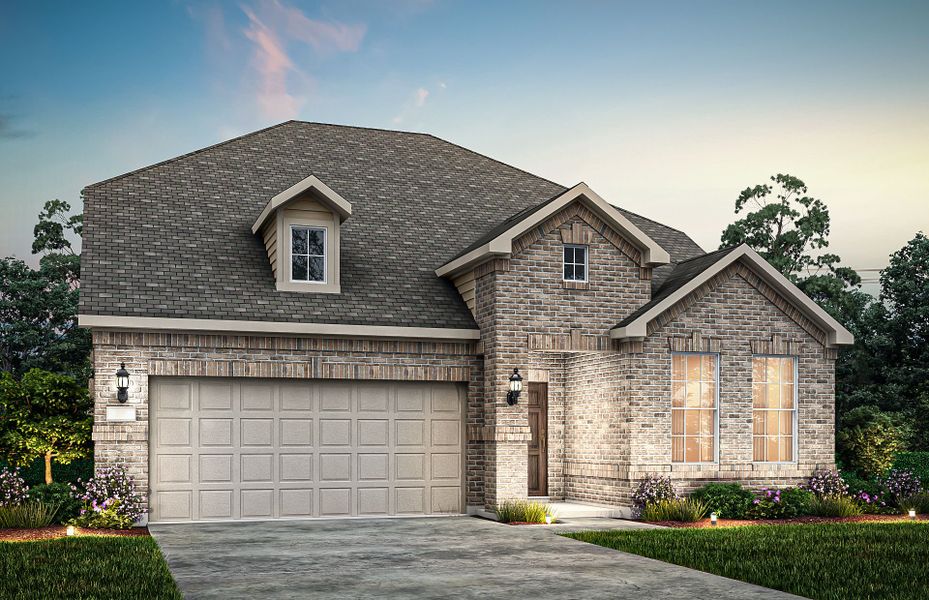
308 287
576 285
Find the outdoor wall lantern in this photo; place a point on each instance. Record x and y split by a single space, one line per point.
122 383
516 386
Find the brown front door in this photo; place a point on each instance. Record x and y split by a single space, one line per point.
538 445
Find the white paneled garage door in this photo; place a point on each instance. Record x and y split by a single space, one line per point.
225 449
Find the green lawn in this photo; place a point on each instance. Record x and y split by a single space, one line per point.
831 561
85 568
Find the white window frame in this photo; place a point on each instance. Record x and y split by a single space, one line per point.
586 263
684 408
796 411
324 255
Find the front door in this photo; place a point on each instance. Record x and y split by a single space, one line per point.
538 445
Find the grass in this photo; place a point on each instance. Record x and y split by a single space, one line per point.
824 562
686 510
522 511
28 515
84 568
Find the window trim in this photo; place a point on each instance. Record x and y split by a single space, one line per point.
717 409
565 263
325 254
795 450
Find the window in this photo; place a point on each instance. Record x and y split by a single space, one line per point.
575 263
774 408
694 400
307 253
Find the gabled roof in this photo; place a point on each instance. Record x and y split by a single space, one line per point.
689 275
499 240
311 184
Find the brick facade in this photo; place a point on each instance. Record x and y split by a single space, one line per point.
609 416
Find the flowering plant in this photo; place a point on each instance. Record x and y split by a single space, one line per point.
652 489
771 503
872 503
901 484
13 488
827 483
110 500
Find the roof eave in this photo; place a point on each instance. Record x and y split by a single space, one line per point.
337 203
652 254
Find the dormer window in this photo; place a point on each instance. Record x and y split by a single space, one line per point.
575 263
308 254
300 228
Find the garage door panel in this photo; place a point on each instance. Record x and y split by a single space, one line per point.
257 449
214 396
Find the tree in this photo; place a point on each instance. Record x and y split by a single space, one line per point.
44 415
38 307
788 228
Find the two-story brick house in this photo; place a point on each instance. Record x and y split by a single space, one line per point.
321 320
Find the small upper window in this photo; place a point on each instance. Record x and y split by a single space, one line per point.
308 254
575 263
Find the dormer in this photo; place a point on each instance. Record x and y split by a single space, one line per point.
300 228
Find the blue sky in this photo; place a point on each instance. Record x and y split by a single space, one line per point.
665 108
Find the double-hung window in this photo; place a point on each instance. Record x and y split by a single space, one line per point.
575 263
308 254
774 408
694 407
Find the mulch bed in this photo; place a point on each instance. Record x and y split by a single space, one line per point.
794 521
59 531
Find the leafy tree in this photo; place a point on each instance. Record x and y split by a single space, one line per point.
788 228
38 307
869 440
44 415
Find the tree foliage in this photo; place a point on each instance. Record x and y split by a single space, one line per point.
789 228
38 307
870 439
44 415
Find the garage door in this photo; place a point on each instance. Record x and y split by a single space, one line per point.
225 449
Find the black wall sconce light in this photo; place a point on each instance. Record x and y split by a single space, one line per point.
516 386
122 383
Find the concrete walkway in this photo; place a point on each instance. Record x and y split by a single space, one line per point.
450 557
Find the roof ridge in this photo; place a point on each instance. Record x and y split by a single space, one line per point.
384 129
168 161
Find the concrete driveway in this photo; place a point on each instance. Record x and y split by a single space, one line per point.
453 557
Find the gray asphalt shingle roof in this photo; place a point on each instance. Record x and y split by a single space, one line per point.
174 239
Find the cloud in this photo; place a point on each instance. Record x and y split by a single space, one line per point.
272 64
272 37
416 101
8 129
420 97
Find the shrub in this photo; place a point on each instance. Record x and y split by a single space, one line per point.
827 483
919 502
727 500
834 506
109 500
13 488
63 495
676 509
780 504
901 484
522 511
872 503
27 515
652 489
860 484
869 439
915 462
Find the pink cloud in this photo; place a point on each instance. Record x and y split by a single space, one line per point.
324 37
272 64
420 96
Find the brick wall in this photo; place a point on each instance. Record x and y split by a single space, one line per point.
184 354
